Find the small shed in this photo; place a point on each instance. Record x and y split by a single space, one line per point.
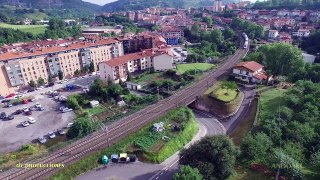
133 86
94 103
121 103
158 127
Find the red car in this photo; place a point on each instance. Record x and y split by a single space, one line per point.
10 95
28 113
25 101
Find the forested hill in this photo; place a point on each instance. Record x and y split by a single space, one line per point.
53 4
124 5
287 4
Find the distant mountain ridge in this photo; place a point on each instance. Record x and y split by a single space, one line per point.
53 4
124 5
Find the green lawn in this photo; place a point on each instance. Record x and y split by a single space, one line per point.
271 101
96 110
34 29
147 77
181 68
224 95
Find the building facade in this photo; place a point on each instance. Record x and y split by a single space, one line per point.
118 68
18 68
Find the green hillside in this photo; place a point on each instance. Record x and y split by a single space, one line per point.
123 5
46 4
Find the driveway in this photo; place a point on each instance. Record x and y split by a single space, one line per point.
14 135
142 171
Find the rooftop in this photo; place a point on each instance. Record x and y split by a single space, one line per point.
250 65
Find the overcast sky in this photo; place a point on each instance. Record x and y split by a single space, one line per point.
100 2
103 2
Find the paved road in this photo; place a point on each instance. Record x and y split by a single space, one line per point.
165 170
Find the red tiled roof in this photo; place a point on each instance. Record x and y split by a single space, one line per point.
124 59
43 51
133 56
250 65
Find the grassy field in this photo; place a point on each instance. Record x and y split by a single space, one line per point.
126 145
147 77
181 68
34 29
271 101
225 95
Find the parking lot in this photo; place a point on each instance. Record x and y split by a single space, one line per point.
14 135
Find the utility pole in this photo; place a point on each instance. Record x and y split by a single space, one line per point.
158 93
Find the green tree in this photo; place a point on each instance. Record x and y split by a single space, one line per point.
256 148
188 173
216 36
81 127
229 33
91 67
50 79
97 88
72 102
77 72
109 81
207 20
281 59
229 85
315 160
32 84
41 81
287 165
214 157
114 91
60 75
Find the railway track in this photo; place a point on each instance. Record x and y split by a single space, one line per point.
121 128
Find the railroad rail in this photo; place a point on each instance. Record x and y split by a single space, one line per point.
121 128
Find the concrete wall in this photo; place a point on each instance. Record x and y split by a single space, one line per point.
162 62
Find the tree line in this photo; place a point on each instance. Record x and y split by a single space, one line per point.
289 137
287 4
57 29
212 44
251 29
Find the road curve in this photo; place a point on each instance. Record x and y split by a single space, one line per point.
164 171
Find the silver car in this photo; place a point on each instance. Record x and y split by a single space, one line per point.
42 140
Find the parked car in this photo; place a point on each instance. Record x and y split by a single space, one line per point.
9 105
25 124
11 117
19 111
25 101
25 109
51 135
3 115
61 108
61 131
28 113
11 95
32 120
30 90
67 110
31 100
38 105
41 108
69 125
42 140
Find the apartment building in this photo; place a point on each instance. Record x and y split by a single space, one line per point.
18 68
118 68
171 34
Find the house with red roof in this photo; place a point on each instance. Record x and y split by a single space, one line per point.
159 59
250 71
